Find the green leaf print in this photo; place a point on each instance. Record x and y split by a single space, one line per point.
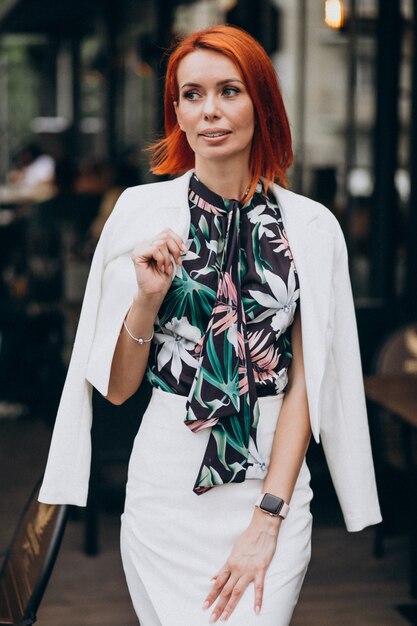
243 263
256 247
225 371
204 227
187 293
222 440
157 381
196 240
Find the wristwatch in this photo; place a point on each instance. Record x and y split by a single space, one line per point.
272 505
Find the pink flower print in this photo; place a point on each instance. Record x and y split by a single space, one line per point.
264 359
205 206
243 381
227 288
198 347
226 321
224 314
284 243
241 346
196 425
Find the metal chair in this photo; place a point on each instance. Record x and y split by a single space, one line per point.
396 355
29 560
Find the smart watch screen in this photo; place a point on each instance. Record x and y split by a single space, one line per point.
271 503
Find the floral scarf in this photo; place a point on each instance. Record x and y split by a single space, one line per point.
223 394
222 336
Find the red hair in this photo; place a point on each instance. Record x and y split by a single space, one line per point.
271 152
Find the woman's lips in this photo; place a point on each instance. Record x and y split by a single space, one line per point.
214 136
215 133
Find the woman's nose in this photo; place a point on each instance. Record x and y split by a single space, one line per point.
211 108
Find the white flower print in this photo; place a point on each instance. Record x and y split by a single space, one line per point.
212 245
257 464
178 337
281 304
257 216
281 380
189 255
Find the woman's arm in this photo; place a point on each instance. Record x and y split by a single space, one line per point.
130 359
154 266
253 551
293 431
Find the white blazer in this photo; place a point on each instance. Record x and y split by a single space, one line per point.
329 336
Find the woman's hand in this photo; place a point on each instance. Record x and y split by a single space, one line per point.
248 562
154 262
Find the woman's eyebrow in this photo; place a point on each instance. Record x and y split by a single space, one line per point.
220 82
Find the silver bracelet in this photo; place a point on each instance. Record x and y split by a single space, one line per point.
139 340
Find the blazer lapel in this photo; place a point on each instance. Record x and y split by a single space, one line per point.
312 248
172 210
155 207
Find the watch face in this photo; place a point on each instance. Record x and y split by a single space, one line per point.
271 503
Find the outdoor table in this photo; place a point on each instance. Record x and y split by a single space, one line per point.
398 395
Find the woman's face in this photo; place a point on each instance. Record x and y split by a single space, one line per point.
214 109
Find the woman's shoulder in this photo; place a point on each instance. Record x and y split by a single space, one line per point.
144 209
308 210
165 191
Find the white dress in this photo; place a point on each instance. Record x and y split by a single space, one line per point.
173 541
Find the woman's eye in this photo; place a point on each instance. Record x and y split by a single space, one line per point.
190 95
231 91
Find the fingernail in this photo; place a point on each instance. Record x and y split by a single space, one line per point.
212 618
223 617
163 268
257 610
206 605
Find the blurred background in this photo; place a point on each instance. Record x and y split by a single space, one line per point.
81 88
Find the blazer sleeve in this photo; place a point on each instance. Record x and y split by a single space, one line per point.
344 423
67 471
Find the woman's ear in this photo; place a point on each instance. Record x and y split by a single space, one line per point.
177 113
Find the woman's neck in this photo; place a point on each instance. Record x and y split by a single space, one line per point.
224 180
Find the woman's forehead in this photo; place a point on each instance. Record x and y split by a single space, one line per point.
207 65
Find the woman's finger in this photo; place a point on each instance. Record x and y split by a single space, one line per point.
170 234
167 259
166 238
161 259
235 595
156 251
220 579
153 251
175 249
174 242
172 252
224 598
259 590
144 252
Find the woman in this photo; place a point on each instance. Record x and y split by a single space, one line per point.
238 309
